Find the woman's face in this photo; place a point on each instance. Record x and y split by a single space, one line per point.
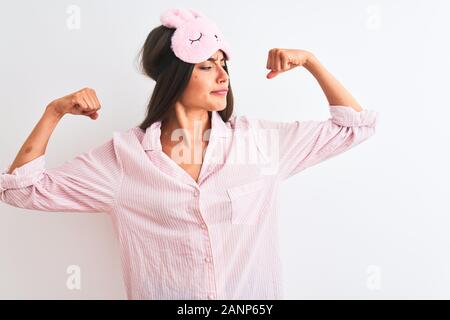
207 76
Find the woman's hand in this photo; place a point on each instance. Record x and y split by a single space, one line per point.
281 60
83 102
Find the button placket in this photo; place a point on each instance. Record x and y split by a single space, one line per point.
209 266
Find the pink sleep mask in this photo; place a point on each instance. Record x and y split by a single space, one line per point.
196 38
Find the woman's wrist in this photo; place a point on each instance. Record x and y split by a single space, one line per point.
311 62
54 110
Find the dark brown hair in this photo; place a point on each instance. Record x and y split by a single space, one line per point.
171 74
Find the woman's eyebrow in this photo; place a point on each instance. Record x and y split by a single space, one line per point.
212 59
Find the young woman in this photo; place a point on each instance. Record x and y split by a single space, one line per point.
192 190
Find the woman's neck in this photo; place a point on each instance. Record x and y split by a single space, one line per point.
182 122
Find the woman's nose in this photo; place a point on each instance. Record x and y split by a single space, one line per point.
223 74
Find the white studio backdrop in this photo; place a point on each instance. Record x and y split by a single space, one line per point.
371 223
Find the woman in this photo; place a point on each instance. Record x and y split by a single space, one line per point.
192 190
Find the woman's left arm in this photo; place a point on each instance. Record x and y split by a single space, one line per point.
281 60
302 144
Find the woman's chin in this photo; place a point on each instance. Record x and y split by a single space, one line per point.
219 108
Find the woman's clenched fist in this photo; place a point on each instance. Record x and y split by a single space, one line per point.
83 102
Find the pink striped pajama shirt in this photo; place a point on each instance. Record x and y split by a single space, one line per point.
215 238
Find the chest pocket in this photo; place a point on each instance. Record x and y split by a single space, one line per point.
248 201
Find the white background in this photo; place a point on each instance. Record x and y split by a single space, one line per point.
371 223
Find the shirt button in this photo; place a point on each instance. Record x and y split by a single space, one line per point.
208 259
211 296
196 193
203 226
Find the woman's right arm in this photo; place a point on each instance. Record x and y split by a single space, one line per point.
37 141
87 183
82 102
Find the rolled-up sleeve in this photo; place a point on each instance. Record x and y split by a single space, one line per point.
87 183
303 144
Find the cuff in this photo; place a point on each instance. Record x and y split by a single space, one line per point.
348 117
22 176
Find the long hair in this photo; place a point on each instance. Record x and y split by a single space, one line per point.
171 74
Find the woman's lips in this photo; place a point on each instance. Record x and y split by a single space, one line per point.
220 93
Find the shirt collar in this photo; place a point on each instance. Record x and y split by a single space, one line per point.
152 137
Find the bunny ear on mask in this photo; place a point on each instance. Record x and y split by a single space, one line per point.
174 18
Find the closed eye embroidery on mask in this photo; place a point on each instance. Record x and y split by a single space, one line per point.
201 34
